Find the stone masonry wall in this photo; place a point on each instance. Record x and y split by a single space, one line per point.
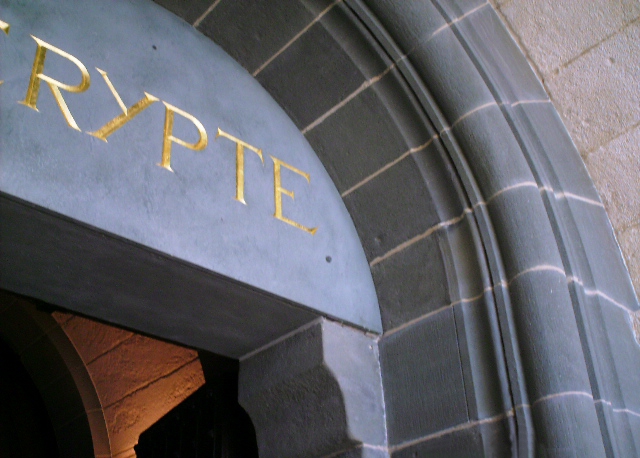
587 55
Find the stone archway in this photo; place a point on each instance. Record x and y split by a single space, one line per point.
505 303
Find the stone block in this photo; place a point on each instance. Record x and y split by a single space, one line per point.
314 65
521 224
505 66
420 19
421 371
606 272
580 433
316 393
93 339
598 94
577 25
189 11
551 351
491 439
392 208
452 78
136 363
357 140
252 32
614 168
629 241
492 150
410 283
549 145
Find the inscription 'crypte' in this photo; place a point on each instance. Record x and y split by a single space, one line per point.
128 113
31 99
5 28
240 146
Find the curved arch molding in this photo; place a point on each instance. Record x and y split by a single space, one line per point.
504 299
148 180
506 307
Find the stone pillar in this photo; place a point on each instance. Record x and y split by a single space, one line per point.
316 393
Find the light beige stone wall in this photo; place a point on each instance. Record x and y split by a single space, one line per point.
587 54
138 379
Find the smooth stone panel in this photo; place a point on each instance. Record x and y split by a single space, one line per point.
388 210
190 214
253 32
314 65
189 11
469 441
422 375
412 282
580 434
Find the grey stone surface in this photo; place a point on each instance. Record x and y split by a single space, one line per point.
252 32
419 20
316 393
548 143
607 273
624 356
112 279
421 371
455 9
482 359
614 356
544 318
506 68
404 108
557 427
189 11
389 211
554 33
441 178
581 434
314 65
364 452
634 425
630 244
452 76
470 441
357 140
412 282
501 163
584 90
464 261
190 214
528 230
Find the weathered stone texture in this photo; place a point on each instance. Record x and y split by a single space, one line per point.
138 379
587 54
598 94
554 33
630 243
615 168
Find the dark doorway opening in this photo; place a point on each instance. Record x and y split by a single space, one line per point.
209 423
25 428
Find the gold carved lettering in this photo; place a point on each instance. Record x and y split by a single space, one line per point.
169 139
31 98
5 28
127 113
240 146
278 190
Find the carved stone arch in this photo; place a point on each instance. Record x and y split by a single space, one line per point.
60 376
488 243
504 300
